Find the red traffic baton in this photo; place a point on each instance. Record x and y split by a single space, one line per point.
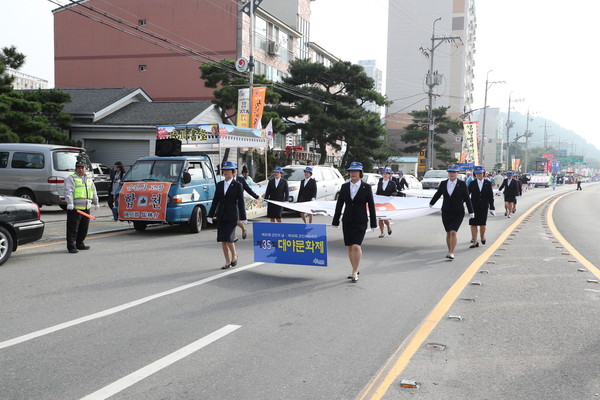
86 214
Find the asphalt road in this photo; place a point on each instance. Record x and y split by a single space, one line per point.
149 315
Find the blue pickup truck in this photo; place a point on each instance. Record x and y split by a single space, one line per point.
188 186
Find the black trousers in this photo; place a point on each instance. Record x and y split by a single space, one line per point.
77 228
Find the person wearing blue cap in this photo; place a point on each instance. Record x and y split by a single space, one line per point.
386 187
512 189
227 208
307 192
248 190
456 194
482 198
355 196
401 184
277 189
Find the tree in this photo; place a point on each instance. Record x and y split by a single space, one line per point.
332 98
32 116
417 133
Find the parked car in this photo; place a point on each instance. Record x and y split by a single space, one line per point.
433 177
101 179
413 183
368 177
37 171
329 181
19 224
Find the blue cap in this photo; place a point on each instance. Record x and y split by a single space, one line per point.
308 169
229 165
400 173
355 166
278 169
510 173
453 168
478 170
387 171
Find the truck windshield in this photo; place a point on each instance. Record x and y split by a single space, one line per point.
154 170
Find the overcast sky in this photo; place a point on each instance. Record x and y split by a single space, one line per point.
543 49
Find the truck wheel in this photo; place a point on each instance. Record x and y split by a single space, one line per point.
26 194
196 220
6 245
139 226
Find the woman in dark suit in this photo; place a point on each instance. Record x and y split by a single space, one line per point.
456 194
228 208
308 192
277 189
354 197
482 198
511 191
386 187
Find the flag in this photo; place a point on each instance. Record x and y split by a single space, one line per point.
269 134
243 110
258 104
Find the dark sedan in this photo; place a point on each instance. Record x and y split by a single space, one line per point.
19 224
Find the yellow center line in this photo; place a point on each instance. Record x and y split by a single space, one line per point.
584 261
381 382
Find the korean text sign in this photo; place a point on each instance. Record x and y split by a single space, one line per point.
281 243
144 201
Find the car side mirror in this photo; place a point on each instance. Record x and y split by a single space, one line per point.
187 178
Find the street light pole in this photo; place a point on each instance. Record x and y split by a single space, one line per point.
509 125
487 86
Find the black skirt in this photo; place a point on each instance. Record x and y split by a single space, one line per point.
274 211
480 218
452 221
354 234
510 199
226 231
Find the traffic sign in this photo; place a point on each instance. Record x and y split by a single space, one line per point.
241 64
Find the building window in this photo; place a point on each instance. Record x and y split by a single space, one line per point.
142 22
143 68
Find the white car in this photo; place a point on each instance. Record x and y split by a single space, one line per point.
329 181
413 183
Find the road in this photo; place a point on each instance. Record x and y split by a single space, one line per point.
149 315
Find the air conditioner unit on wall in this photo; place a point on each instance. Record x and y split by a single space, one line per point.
273 48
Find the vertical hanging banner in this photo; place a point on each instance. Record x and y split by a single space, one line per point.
258 104
243 109
470 129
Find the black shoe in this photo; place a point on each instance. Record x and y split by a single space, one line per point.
482 241
390 232
226 266
244 235
474 245
449 257
354 280
350 276
73 251
83 247
233 263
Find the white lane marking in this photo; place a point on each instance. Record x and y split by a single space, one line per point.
142 373
114 310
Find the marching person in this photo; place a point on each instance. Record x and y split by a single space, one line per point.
355 196
251 192
277 189
308 192
386 187
228 208
116 176
80 194
511 191
455 194
246 175
482 198
401 184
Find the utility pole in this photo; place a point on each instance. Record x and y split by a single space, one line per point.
509 125
546 135
487 86
433 79
527 135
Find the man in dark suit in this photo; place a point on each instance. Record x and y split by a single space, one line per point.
277 189
355 196
308 192
511 189
482 198
456 194
401 184
228 208
251 192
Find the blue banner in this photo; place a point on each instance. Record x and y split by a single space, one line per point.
280 243
556 166
466 166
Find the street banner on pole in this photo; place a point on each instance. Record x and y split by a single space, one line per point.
283 243
258 104
470 138
243 109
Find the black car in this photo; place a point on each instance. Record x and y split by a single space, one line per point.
19 224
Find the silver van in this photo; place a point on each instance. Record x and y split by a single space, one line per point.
38 171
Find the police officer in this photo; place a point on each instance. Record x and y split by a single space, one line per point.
80 194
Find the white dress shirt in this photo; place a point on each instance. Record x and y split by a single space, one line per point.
450 186
226 186
277 182
480 184
354 188
384 184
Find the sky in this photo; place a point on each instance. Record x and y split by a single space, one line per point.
542 49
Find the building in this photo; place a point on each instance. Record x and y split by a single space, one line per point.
377 75
493 147
410 29
26 82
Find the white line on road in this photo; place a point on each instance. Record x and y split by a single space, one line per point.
142 373
120 308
